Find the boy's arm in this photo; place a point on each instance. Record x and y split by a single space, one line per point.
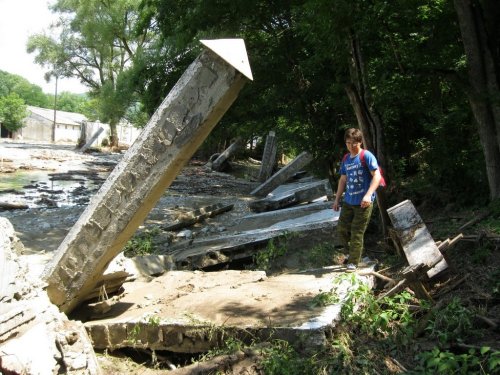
367 199
340 191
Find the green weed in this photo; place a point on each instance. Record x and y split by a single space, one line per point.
141 244
483 361
282 359
321 255
276 247
452 323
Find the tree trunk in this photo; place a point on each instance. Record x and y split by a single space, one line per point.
113 136
478 22
369 122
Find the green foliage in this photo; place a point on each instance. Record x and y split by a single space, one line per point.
282 359
452 323
229 346
276 247
30 93
321 254
12 111
373 316
482 362
141 244
133 335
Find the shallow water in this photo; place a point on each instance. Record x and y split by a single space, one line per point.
46 189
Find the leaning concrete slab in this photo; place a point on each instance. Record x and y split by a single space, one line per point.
179 126
302 193
269 218
222 159
199 309
283 174
92 139
268 157
416 241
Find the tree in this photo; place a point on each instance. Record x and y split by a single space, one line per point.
30 93
479 22
12 111
97 43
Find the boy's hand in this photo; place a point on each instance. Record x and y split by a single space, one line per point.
366 202
336 206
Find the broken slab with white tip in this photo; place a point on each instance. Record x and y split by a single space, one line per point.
416 241
179 126
193 312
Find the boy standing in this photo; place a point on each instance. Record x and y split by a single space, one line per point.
359 181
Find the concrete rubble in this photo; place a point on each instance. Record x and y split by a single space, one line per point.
221 162
268 157
35 337
283 175
196 312
415 239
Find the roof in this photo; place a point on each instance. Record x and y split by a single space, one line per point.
62 117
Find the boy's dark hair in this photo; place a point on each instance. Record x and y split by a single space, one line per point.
354 134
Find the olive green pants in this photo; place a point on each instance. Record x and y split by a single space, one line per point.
351 228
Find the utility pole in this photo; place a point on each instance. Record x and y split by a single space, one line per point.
55 111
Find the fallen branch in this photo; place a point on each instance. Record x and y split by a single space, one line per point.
477 219
397 363
453 286
13 206
380 276
488 321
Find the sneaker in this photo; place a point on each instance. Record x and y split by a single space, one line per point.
351 267
346 259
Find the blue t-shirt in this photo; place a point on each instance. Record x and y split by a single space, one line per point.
358 177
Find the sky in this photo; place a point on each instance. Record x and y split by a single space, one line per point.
18 20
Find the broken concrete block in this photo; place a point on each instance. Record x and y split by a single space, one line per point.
268 157
304 231
35 337
283 174
222 159
176 130
199 309
297 193
416 241
192 217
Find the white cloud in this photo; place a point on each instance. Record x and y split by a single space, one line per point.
18 20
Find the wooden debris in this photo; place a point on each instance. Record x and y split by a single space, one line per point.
13 206
447 243
412 278
475 220
390 282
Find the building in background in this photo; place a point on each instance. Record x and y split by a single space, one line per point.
69 127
